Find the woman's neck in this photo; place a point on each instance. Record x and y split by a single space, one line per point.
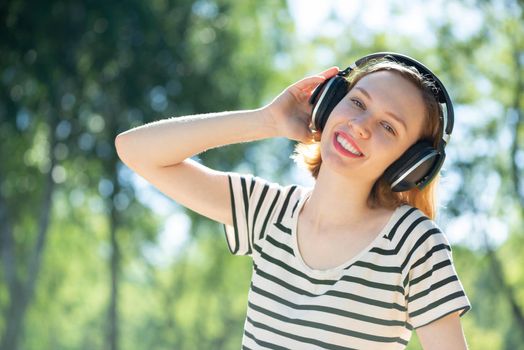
337 201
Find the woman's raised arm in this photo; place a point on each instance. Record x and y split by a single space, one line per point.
160 151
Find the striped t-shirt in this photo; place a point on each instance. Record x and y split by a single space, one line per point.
403 280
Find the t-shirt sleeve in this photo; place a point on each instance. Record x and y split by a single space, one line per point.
253 203
434 288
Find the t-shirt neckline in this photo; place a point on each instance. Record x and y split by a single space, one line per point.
348 263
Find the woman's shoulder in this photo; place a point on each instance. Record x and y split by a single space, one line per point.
415 214
254 183
414 225
420 232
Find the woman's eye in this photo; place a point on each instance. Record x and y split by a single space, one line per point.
357 103
388 128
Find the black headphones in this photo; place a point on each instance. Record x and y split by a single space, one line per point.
422 161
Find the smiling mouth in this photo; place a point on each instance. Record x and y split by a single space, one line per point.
346 146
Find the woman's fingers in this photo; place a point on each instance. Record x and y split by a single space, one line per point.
307 84
328 73
291 109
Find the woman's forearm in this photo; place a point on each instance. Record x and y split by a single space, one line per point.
170 141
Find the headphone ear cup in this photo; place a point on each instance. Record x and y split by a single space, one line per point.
325 98
413 167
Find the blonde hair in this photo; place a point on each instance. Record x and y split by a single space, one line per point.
381 194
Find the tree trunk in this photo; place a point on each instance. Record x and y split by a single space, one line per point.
115 267
111 170
21 292
517 311
14 316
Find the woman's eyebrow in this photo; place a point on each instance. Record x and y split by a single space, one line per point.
393 115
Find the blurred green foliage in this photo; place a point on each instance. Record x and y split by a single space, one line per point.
81 237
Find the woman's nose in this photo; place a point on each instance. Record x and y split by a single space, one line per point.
360 127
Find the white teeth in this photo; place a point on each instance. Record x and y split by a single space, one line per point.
347 146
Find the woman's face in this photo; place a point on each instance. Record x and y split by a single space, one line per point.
377 121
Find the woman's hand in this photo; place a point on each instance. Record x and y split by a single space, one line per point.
290 112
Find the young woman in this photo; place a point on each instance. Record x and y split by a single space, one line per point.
355 262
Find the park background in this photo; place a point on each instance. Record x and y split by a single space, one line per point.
92 257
